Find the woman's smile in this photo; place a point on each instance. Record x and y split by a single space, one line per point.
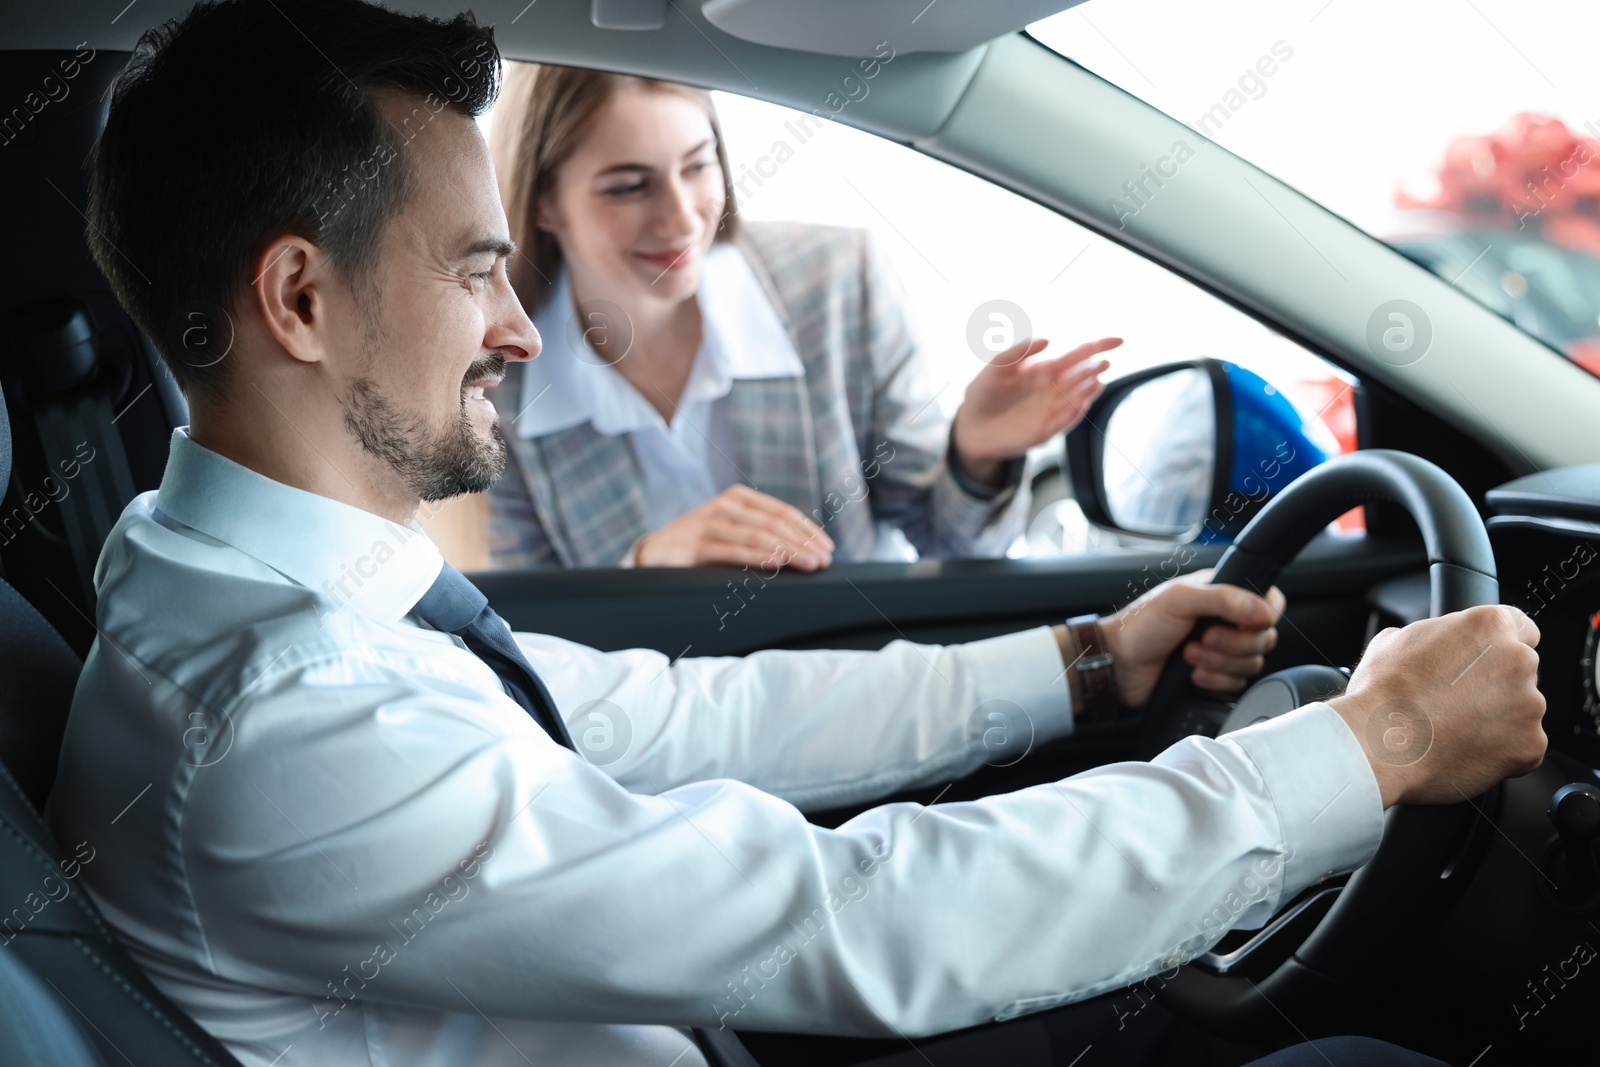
671 258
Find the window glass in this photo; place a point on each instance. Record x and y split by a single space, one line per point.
960 242
1467 135
979 261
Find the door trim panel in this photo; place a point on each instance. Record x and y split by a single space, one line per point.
707 611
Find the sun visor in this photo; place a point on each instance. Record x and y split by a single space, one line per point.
858 28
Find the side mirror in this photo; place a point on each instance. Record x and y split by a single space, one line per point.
1187 451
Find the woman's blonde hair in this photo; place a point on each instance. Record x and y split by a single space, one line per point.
542 115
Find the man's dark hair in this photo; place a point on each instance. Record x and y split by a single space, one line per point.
250 119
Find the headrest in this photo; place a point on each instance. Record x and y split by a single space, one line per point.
53 342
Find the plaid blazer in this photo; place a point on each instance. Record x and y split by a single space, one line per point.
857 442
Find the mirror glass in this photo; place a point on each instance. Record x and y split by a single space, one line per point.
1161 455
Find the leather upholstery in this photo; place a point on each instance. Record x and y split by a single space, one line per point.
48 924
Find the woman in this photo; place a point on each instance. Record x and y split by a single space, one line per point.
714 390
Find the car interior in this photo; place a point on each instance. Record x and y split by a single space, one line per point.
1478 467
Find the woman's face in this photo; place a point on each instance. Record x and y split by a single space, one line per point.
636 204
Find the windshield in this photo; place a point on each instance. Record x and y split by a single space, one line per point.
1465 133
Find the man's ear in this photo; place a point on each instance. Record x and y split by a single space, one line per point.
294 281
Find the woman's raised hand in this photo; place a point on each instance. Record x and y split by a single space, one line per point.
1019 401
739 525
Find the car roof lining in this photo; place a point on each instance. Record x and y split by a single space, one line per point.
687 48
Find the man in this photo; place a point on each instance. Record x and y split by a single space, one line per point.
331 809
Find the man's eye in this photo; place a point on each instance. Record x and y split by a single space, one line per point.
482 278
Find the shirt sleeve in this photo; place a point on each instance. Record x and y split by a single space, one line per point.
374 832
1010 475
817 728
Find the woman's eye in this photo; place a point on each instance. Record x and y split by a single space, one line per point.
625 190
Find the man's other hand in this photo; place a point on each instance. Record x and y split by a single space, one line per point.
1446 707
1142 635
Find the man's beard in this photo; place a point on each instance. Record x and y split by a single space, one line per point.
435 465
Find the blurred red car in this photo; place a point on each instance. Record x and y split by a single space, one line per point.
1513 219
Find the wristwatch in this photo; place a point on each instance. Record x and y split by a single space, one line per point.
1094 695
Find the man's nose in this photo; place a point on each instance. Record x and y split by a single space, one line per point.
513 333
534 345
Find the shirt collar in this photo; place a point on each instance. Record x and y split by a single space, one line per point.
743 337
351 556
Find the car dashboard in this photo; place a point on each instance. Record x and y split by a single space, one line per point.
1545 529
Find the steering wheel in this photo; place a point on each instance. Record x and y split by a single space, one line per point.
1312 959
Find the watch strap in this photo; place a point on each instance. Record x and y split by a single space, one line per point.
1095 691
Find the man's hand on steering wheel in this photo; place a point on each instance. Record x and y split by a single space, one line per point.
1144 634
1446 707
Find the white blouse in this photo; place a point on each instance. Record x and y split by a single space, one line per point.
685 462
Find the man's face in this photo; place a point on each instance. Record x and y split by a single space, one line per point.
437 319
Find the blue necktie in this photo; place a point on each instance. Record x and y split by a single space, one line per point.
454 605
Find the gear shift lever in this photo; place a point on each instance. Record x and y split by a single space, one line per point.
1575 812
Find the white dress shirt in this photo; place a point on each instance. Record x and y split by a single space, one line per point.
683 462
329 834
